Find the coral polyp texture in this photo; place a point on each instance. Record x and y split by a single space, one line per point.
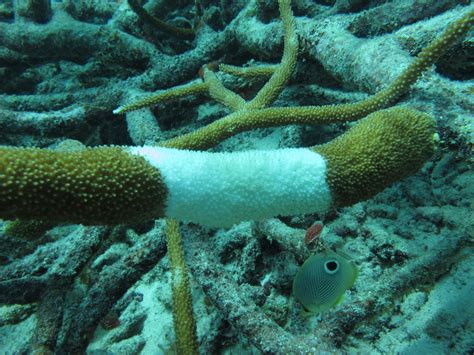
91 186
116 185
381 149
162 162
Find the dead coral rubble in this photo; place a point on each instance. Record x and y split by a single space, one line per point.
63 78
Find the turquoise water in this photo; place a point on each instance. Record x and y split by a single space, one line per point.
87 263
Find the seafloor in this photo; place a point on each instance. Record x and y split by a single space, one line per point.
66 65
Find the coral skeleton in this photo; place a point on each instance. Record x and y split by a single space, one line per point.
143 221
221 189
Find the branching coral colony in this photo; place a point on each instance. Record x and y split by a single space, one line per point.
111 185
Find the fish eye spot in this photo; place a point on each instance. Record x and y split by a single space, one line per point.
331 266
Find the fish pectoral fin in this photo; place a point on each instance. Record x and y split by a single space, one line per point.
340 299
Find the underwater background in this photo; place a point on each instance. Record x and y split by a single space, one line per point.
65 66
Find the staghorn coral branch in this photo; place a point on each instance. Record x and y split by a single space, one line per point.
241 311
245 120
110 185
137 191
220 93
257 340
174 93
178 32
80 50
279 77
49 315
111 284
35 10
282 74
427 267
183 313
248 72
26 280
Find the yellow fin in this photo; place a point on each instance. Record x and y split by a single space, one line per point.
340 299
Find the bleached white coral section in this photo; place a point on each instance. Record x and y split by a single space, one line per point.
221 189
